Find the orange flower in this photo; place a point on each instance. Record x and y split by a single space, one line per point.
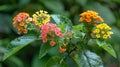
61 50
88 20
21 24
25 31
20 28
90 16
65 45
21 21
52 43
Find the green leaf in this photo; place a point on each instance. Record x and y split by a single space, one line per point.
5 23
115 37
59 19
23 2
70 62
88 59
18 44
117 1
39 62
103 11
54 51
7 7
77 60
44 49
14 62
0 65
56 61
107 47
51 5
82 2
62 21
78 27
2 51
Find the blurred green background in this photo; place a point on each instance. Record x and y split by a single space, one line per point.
108 9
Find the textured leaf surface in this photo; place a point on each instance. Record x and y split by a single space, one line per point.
88 59
18 44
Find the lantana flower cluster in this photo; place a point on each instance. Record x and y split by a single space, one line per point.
21 21
90 16
40 18
50 32
102 31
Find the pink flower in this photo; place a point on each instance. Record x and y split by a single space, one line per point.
60 35
44 40
43 35
50 30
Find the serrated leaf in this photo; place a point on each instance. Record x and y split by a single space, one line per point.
88 59
107 47
56 61
44 49
18 44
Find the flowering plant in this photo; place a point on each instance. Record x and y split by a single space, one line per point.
61 41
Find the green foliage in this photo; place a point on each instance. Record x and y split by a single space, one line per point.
40 62
56 61
62 22
59 19
18 44
14 62
49 56
107 47
51 5
88 59
44 50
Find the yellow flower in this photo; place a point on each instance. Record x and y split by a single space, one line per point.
40 18
90 16
105 36
102 31
96 31
109 33
98 35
